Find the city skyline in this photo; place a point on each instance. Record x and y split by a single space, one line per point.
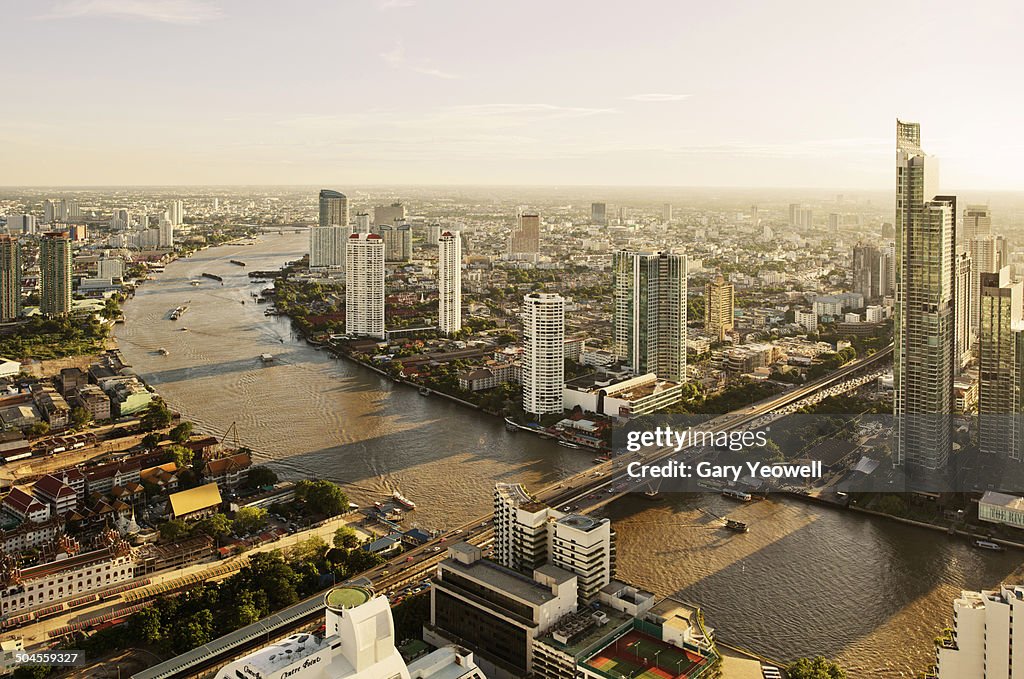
571 99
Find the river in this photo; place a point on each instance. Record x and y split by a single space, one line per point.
805 580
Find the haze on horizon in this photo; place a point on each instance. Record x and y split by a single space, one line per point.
364 92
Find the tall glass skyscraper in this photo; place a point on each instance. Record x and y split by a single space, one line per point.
999 398
333 208
925 335
649 323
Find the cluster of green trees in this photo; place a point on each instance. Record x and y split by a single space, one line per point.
43 338
271 581
815 668
737 395
322 497
830 361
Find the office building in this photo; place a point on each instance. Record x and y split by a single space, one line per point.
357 642
525 236
363 223
925 341
719 309
666 213
496 611
649 323
333 208
449 283
867 271
327 247
364 285
543 371
982 644
599 214
999 378
10 278
964 296
977 222
388 214
55 261
397 241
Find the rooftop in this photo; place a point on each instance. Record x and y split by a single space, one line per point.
506 580
347 597
1003 500
589 632
195 499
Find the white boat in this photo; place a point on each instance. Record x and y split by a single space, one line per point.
267 358
403 500
162 351
737 495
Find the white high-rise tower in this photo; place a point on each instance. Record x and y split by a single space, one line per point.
543 353
364 285
449 282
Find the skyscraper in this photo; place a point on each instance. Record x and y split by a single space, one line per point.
525 236
55 274
166 234
964 298
364 285
598 214
666 213
887 269
176 213
867 271
49 212
649 324
333 208
388 214
327 246
397 241
999 398
925 342
449 282
977 222
719 307
543 353
10 278
986 257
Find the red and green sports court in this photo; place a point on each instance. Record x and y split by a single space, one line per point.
636 655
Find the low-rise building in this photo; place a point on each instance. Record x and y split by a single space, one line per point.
66 578
496 611
128 395
195 503
52 405
93 399
228 472
1001 508
599 393
22 506
61 497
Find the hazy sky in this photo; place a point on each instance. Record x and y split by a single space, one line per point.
595 92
